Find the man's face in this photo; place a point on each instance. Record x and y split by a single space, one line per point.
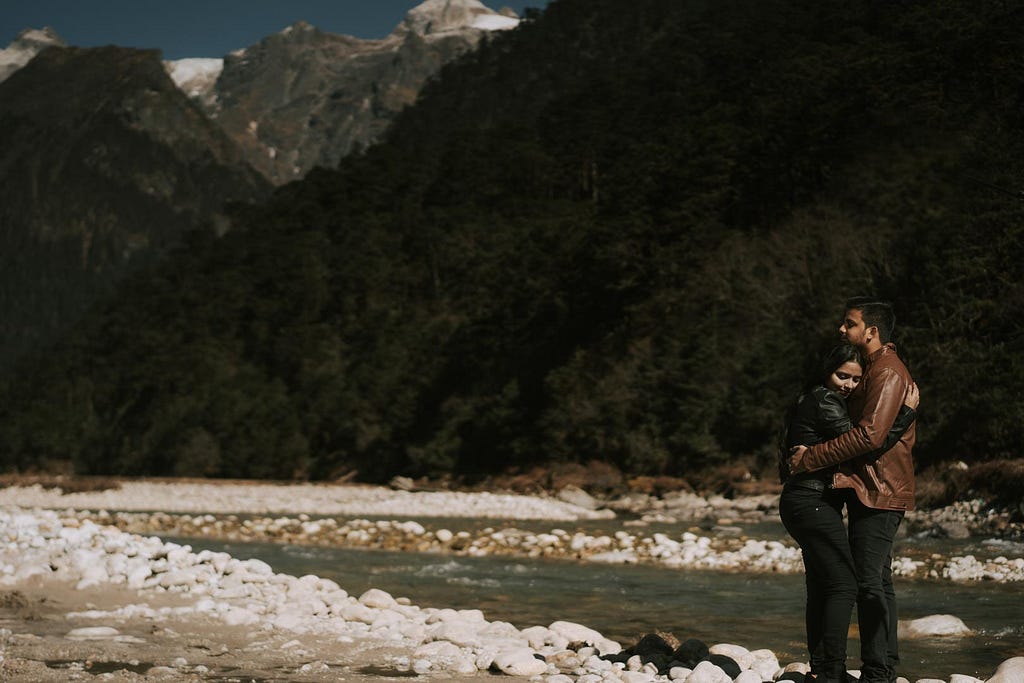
854 331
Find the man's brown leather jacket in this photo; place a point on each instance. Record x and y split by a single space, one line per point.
883 481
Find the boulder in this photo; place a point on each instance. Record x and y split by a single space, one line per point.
691 652
636 677
92 633
741 655
1010 671
726 664
574 495
375 597
576 633
652 644
933 625
706 672
749 676
765 663
519 662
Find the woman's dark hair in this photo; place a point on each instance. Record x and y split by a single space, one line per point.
844 353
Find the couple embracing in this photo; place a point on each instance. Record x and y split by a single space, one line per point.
848 444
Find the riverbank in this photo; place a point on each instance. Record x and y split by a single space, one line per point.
53 632
334 515
158 611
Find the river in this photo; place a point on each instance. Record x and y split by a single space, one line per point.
626 601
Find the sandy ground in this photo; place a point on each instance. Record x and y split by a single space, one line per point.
37 617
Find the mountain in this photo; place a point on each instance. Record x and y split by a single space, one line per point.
27 45
303 97
196 77
106 164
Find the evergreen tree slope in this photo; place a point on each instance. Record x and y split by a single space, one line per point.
104 164
622 235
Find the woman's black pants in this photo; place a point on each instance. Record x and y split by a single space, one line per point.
814 518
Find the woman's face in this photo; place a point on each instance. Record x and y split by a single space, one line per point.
845 378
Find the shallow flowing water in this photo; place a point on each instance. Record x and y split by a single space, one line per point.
625 601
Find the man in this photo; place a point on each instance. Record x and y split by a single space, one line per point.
880 484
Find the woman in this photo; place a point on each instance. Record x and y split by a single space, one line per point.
812 511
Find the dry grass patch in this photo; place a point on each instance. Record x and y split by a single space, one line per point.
999 482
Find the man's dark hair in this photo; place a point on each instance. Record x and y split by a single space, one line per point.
876 313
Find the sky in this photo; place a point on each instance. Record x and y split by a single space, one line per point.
205 28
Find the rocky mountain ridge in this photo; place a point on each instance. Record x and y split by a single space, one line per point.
304 97
111 154
27 45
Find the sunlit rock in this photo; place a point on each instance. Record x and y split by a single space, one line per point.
1010 671
933 625
519 662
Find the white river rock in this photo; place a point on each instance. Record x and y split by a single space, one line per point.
741 655
933 625
1010 671
748 676
519 662
706 672
92 633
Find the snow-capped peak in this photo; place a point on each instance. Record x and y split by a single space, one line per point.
27 45
439 16
494 22
42 37
195 76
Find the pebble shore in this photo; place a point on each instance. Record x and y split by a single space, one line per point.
687 550
308 514
320 499
91 544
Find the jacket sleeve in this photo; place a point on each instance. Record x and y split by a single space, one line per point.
881 406
904 419
833 417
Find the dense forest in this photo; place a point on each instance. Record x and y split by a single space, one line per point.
622 232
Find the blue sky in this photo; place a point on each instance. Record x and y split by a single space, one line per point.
204 28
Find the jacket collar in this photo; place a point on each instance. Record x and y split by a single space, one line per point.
886 348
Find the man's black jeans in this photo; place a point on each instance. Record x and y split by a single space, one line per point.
871 534
814 518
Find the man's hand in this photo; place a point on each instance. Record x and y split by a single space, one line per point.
913 397
796 456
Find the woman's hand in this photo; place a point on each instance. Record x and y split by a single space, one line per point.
913 397
796 456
